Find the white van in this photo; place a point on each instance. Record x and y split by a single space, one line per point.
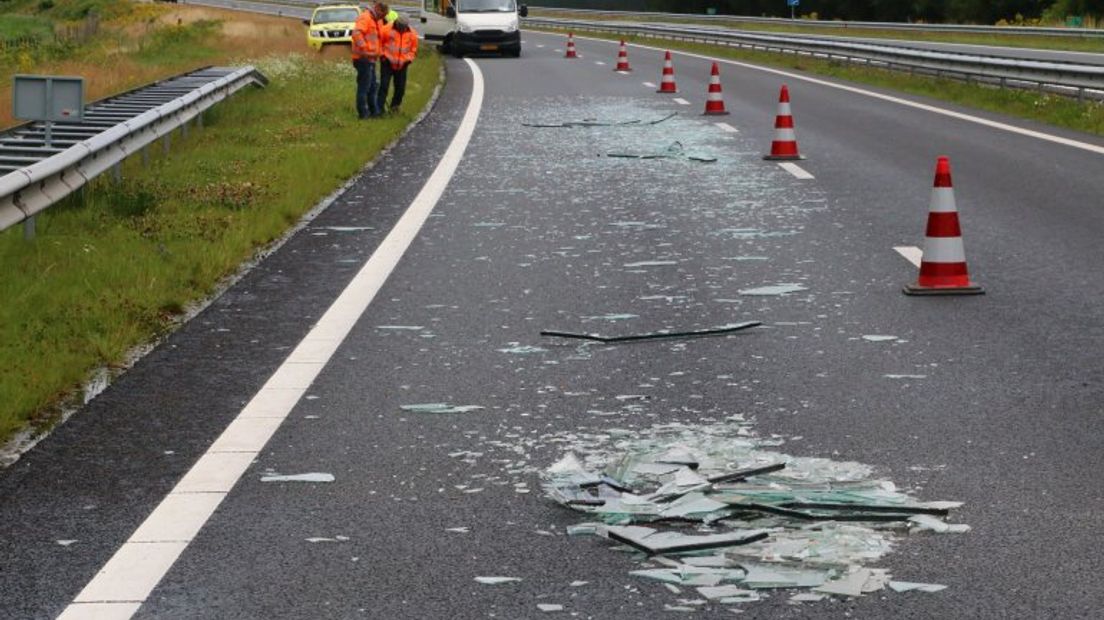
474 26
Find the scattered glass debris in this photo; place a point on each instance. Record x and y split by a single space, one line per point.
440 408
673 151
651 263
519 349
490 581
311 477
907 586
318 539
717 509
777 289
590 122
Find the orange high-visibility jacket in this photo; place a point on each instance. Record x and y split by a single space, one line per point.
400 48
367 37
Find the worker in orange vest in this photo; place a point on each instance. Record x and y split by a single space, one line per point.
367 47
400 46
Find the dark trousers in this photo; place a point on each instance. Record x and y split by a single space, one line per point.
366 88
386 74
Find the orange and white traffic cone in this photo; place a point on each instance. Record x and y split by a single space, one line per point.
714 101
784 145
623 58
571 46
667 81
943 266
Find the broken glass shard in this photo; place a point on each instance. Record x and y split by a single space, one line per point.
776 289
907 586
311 477
496 580
440 408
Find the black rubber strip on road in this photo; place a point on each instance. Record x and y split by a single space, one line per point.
654 336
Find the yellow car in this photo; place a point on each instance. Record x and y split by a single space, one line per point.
330 24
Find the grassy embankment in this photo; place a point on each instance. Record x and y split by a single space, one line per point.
114 268
1055 110
1073 44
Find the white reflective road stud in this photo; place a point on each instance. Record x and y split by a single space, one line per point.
136 568
911 253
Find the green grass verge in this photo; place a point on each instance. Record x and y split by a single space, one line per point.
17 27
112 269
1055 110
1073 44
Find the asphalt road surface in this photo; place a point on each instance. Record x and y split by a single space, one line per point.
992 400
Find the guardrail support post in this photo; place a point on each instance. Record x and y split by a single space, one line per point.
166 143
145 156
184 130
199 120
29 228
117 172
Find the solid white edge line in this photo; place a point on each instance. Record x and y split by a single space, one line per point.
795 170
135 569
727 127
911 253
680 101
1030 133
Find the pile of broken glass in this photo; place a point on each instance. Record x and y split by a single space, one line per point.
712 507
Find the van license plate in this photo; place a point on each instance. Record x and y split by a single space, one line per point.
490 47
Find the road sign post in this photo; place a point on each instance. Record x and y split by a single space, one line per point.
49 99
793 4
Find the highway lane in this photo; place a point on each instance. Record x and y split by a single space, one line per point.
532 234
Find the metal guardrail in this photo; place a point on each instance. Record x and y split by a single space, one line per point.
1069 78
963 28
34 175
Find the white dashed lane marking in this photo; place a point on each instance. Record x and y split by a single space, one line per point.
727 127
649 84
680 101
795 170
911 253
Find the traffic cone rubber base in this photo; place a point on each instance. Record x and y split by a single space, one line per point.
782 157
716 113
971 289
